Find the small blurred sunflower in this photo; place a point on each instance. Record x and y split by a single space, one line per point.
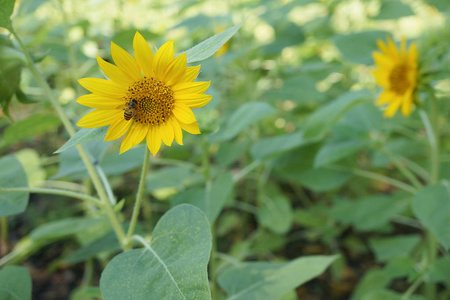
148 97
397 74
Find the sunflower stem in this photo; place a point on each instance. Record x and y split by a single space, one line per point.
431 124
113 218
208 184
59 192
137 203
401 167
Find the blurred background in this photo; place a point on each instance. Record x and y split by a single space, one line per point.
289 59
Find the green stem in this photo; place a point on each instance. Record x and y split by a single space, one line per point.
70 194
405 171
137 203
413 287
83 154
4 235
431 124
371 175
106 184
242 173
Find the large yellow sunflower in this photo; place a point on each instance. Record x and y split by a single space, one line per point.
148 97
397 73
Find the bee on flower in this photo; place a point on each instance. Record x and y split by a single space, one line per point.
147 97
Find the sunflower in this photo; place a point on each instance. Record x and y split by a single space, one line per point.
397 74
148 97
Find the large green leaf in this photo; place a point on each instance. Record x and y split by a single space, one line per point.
322 120
36 124
210 200
243 117
6 10
173 266
15 283
210 46
261 280
432 206
12 175
84 135
358 47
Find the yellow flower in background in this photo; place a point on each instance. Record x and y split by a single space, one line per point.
397 73
148 97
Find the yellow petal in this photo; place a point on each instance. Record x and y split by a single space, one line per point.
114 73
385 97
117 129
162 59
126 62
143 54
382 61
381 77
178 133
192 100
192 87
189 76
413 53
103 87
393 107
167 133
382 46
96 101
407 103
134 136
393 49
175 70
100 118
191 128
153 140
183 113
403 47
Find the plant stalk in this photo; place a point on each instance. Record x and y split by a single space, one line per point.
83 154
137 203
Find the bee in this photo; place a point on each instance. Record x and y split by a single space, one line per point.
130 109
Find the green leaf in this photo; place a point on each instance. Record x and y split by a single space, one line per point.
440 270
276 145
369 213
321 179
84 135
358 47
372 280
30 127
243 117
70 162
399 246
173 266
432 207
6 10
107 243
261 280
276 212
208 47
393 9
210 201
15 283
322 120
335 151
12 175
64 228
